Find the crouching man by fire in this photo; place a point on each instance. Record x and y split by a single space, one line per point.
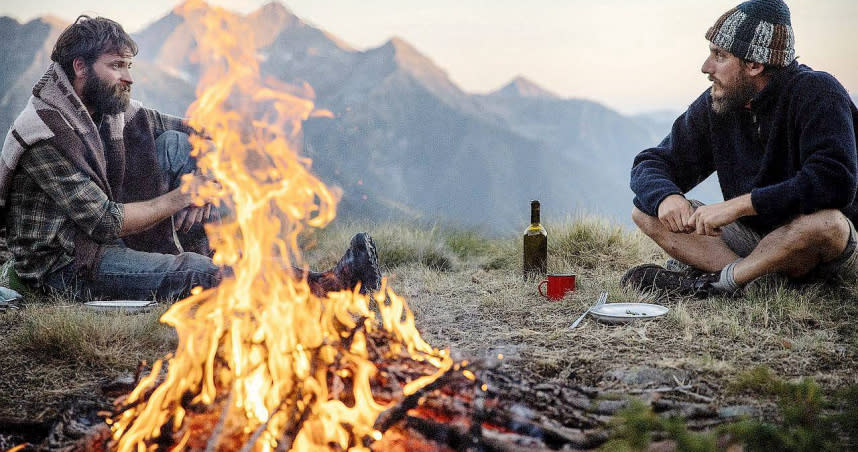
91 181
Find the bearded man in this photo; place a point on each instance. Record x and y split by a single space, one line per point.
781 138
90 179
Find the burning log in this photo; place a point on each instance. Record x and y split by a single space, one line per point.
214 438
396 413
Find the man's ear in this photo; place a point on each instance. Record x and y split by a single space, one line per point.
80 68
753 68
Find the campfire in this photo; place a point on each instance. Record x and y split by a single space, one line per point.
262 363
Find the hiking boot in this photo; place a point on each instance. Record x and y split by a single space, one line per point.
666 282
676 265
360 265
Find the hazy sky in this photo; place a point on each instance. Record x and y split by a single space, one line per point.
632 55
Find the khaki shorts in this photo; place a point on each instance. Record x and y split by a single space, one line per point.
742 240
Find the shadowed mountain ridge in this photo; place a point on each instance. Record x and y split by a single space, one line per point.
405 141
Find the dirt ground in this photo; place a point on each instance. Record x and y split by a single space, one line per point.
700 345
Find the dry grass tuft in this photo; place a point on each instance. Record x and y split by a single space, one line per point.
96 340
402 244
55 353
398 244
594 243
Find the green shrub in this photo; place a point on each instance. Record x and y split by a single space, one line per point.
846 415
633 428
804 425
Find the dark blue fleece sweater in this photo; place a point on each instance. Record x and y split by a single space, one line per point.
793 151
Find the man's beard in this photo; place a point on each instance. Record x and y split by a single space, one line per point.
104 98
734 97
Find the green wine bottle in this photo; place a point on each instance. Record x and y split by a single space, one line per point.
535 245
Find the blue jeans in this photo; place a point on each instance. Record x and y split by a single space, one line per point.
124 273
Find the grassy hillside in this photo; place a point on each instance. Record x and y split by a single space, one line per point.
747 355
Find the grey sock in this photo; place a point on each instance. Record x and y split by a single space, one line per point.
726 283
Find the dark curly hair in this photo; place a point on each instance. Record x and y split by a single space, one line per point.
89 38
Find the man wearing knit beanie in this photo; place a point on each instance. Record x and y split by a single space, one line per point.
782 139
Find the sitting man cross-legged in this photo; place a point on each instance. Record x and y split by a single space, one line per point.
781 138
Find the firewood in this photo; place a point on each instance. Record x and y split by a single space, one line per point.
214 438
449 435
392 415
347 341
292 428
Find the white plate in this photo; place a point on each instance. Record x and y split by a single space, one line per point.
121 305
627 312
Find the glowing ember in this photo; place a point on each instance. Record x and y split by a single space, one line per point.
261 362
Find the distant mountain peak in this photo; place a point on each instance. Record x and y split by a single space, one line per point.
270 20
276 12
399 55
274 18
276 7
522 87
401 46
408 56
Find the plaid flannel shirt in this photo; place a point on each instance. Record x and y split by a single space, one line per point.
51 200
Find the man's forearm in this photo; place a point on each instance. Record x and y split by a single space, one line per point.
743 206
142 215
708 220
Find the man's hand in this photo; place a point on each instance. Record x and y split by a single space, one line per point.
184 219
200 188
674 213
708 220
197 185
142 215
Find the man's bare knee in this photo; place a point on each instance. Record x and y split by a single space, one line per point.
825 232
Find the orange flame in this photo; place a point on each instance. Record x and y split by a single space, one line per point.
261 346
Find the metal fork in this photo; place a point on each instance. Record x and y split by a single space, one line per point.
603 297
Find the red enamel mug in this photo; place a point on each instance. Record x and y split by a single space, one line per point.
558 285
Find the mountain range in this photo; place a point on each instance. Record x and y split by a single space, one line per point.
404 141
